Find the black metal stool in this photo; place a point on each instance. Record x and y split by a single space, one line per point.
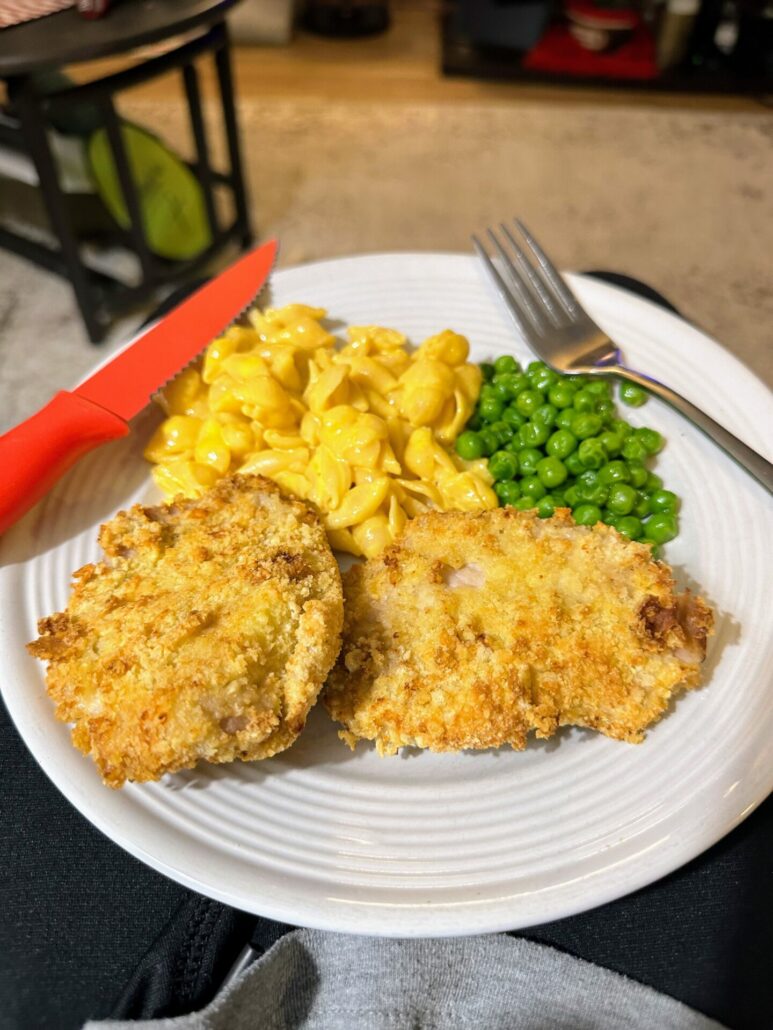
67 38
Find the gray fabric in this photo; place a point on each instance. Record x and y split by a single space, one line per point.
322 981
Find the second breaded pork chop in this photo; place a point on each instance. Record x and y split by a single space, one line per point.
476 628
204 635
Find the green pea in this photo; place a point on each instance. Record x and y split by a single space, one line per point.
598 387
540 376
489 441
546 506
533 434
532 487
598 495
621 427
638 473
586 514
571 496
574 465
634 449
551 471
491 408
588 478
524 503
469 445
611 442
606 411
565 418
630 526
562 394
514 445
502 389
609 518
545 381
584 401
561 443
632 395
586 425
664 501
487 390
528 401
507 491
557 493
642 508
653 483
590 490
504 432
503 465
506 363
512 416
661 528
615 472
536 368
545 415
650 438
591 454
621 500
528 458
509 385
475 423
488 371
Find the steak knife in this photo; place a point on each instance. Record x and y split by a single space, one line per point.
36 453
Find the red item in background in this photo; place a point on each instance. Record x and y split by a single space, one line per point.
560 53
93 8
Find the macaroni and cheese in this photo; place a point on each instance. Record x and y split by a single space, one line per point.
362 430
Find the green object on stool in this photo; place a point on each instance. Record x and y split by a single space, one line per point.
170 197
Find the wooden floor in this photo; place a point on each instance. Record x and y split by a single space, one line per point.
402 64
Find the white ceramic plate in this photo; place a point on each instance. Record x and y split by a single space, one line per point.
429 845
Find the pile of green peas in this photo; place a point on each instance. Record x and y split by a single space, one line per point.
555 441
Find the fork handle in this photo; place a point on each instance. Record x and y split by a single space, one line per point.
754 463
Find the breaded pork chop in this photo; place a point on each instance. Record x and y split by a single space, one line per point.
476 628
204 635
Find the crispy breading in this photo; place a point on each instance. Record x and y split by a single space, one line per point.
205 634
475 629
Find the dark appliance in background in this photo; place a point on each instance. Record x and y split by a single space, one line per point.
720 46
345 19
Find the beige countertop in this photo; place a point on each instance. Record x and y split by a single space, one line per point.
363 147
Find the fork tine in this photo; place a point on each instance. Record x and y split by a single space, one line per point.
526 328
518 284
546 298
549 272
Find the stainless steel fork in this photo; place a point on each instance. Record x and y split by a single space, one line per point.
567 339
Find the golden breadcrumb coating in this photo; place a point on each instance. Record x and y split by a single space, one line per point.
205 634
476 628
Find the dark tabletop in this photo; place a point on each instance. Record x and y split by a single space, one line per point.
68 37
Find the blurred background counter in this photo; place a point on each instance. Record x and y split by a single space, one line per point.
360 143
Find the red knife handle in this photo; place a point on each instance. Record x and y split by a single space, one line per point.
35 454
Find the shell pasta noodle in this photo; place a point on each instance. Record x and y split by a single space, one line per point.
363 428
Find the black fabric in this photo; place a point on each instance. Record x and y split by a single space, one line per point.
87 931
76 912
187 962
704 934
